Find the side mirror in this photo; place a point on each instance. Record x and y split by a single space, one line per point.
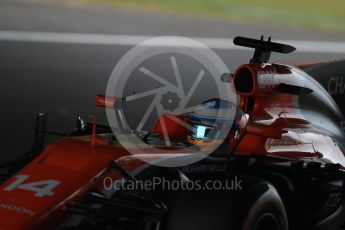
264 130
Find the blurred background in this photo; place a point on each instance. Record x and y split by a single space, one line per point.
56 55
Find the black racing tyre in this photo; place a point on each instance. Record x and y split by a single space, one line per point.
256 205
265 209
257 208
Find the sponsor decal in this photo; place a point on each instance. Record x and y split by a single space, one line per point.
205 168
14 208
336 86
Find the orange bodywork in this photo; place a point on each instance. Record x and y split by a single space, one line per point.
78 165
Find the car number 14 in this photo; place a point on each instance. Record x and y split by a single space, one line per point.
40 188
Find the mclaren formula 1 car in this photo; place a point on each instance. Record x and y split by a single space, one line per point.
282 162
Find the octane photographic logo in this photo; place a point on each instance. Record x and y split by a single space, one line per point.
168 75
231 184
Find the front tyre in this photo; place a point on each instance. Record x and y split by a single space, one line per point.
265 209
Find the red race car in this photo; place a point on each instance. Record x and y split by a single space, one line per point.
282 162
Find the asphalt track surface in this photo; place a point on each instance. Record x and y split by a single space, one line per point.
62 78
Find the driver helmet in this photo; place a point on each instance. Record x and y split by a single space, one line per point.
213 122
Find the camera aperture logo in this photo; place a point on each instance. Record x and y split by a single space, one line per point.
160 83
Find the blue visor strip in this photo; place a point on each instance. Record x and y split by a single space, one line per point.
200 131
